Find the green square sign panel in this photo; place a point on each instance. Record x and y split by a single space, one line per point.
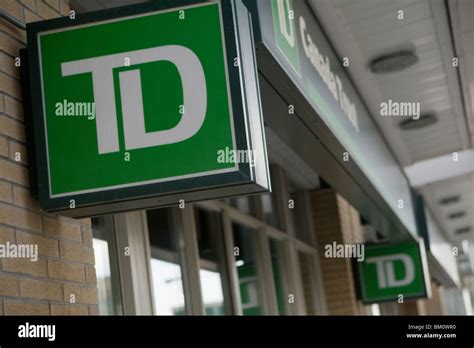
180 78
144 99
391 271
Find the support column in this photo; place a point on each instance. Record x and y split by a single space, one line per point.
335 220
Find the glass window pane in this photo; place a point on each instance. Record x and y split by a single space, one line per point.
166 269
247 271
104 281
306 277
245 204
270 209
299 217
167 287
106 266
276 251
213 275
212 294
300 212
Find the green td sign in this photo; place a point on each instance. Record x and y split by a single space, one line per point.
286 35
142 102
394 272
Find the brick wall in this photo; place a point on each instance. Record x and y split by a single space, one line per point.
65 265
335 220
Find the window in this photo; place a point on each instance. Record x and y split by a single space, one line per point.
270 209
299 210
106 266
167 287
213 275
245 204
278 269
305 261
166 267
247 269
202 257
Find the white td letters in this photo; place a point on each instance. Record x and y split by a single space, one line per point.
386 270
194 96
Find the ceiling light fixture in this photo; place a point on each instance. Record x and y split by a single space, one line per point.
424 121
463 230
456 215
393 62
449 200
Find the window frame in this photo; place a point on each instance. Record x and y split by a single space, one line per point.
291 246
183 223
108 235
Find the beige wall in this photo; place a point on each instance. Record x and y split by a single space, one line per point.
66 263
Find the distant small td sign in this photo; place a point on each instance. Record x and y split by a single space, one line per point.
394 272
165 92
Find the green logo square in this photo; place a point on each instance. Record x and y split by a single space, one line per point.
136 100
389 271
